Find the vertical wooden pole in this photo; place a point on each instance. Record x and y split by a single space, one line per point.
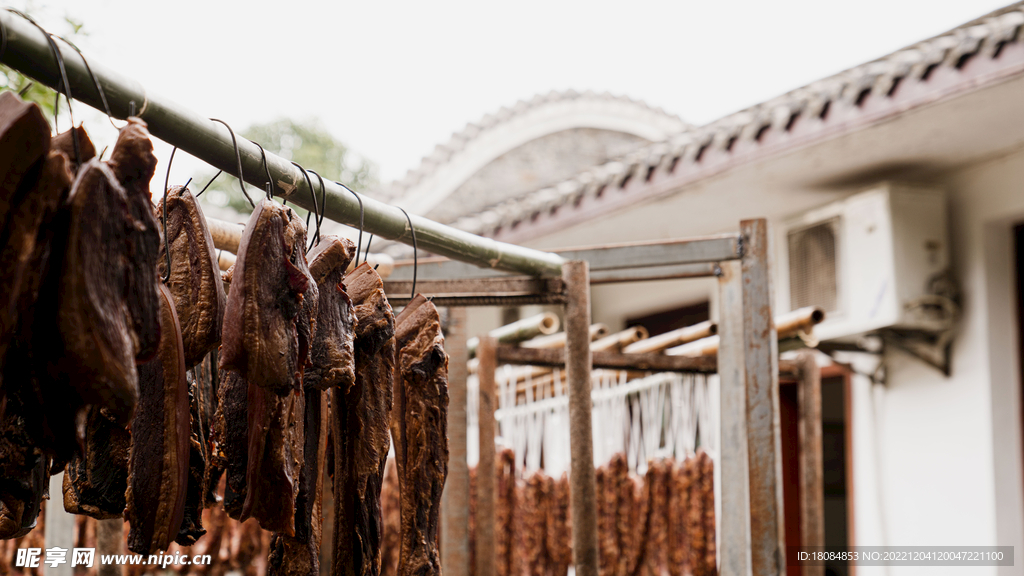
59 528
109 541
486 549
734 548
812 484
455 500
578 364
764 443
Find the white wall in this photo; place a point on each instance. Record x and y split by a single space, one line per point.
938 461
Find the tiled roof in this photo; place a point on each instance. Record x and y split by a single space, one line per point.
444 153
981 38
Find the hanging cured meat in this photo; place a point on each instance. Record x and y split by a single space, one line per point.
232 447
537 500
654 560
419 426
200 392
24 139
262 339
332 361
559 526
704 468
133 162
194 279
271 257
391 542
360 418
158 461
275 444
504 510
98 325
606 537
95 483
66 141
32 430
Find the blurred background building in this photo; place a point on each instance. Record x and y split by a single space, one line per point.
896 193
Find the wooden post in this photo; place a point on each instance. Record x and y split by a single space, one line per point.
734 548
583 497
764 443
486 498
59 528
455 500
812 484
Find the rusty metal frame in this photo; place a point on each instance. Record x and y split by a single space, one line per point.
752 527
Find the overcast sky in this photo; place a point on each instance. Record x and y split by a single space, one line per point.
392 79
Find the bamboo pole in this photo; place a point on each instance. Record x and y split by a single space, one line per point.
544 323
541 376
545 342
789 325
673 338
28 51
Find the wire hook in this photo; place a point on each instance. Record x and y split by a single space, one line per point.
312 193
167 241
323 203
415 255
59 57
359 246
238 157
219 172
95 82
266 167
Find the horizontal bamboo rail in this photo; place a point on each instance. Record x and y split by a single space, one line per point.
786 325
28 51
556 340
541 324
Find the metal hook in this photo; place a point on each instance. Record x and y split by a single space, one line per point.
266 167
95 82
59 57
238 156
359 246
3 41
367 255
219 172
323 203
167 241
313 194
415 256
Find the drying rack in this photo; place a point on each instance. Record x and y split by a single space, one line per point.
477 274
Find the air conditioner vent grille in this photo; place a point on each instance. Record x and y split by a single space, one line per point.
813 277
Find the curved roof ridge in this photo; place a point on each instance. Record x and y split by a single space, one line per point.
983 37
473 131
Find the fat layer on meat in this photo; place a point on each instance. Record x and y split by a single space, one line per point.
194 278
158 460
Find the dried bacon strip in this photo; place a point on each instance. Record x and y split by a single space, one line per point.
420 429
158 461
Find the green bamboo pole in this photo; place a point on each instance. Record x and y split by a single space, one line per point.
28 52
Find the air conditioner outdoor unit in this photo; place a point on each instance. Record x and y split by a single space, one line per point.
878 259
